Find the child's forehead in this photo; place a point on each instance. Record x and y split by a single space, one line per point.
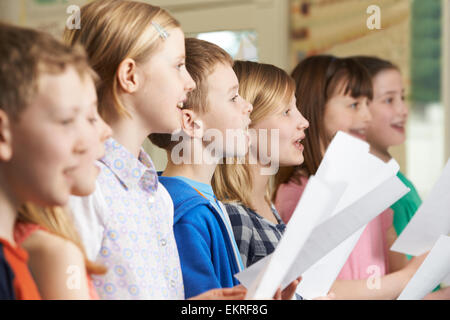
63 90
222 78
173 45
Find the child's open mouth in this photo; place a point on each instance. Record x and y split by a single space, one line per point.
399 126
359 133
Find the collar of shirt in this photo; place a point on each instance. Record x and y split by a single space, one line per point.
130 170
204 188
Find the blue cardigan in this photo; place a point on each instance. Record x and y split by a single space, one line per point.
205 249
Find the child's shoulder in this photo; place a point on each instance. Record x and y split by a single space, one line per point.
182 193
6 276
176 185
50 247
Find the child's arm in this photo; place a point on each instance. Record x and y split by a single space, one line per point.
194 242
389 288
397 260
443 294
236 293
57 266
196 261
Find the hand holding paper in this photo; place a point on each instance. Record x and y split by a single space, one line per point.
431 220
432 271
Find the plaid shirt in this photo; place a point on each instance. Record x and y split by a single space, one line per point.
255 236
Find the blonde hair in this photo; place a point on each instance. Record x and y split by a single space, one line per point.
58 222
113 30
267 88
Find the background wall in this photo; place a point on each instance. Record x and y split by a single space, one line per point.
412 35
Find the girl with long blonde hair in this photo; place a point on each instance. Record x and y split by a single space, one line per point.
243 187
138 52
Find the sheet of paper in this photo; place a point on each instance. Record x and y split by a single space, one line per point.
446 281
371 188
348 159
431 220
326 236
303 221
318 279
332 234
433 270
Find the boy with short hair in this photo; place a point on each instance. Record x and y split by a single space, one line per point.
213 113
40 140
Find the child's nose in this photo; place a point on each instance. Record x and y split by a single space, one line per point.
190 83
106 131
248 107
402 108
365 114
303 123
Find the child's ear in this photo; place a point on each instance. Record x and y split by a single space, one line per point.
190 125
5 137
127 76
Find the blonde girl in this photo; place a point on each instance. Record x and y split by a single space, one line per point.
243 187
127 224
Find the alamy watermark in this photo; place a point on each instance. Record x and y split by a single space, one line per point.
374 20
374 280
250 146
74 20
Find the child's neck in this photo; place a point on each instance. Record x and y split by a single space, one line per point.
129 133
258 194
381 153
259 184
8 213
197 164
197 172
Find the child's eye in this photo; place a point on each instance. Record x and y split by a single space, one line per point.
68 121
234 98
92 120
354 105
286 112
389 100
180 65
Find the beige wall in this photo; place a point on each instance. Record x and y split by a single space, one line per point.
340 28
332 26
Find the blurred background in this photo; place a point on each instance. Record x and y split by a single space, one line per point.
414 34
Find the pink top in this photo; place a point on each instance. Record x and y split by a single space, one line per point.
23 230
369 257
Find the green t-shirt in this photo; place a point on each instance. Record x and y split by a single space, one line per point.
405 208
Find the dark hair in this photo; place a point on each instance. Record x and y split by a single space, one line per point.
319 78
375 65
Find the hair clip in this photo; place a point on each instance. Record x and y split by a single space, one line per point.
162 32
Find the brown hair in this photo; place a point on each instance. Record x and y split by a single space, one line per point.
375 65
113 30
318 79
201 59
25 55
266 87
